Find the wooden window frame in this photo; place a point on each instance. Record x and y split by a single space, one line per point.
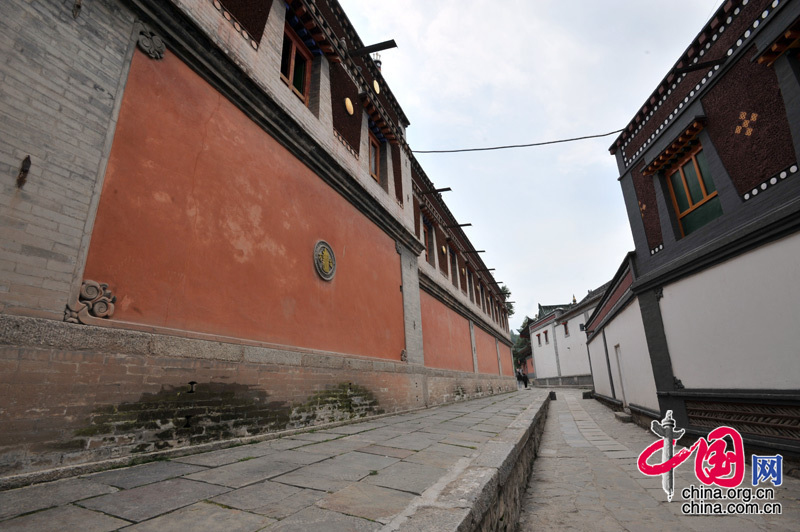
298 47
539 339
374 142
425 240
453 265
566 329
691 156
546 338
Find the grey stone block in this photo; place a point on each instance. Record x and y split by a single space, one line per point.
24 500
145 502
405 476
313 518
204 516
131 477
64 518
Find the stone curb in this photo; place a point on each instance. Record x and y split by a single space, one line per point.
486 495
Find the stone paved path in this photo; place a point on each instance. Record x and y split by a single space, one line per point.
585 478
366 476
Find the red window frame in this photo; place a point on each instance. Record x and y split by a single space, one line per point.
297 48
374 158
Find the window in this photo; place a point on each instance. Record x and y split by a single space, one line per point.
453 266
539 339
427 234
426 240
295 64
374 158
546 339
470 285
566 329
694 195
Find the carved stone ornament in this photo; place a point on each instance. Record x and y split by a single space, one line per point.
149 42
95 302
324 260
659 293
678 384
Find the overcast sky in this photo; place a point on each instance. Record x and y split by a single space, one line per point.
473 73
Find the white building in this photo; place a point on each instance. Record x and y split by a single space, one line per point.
558 342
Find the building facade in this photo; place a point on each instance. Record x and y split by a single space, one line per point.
213 228
709 174
558 342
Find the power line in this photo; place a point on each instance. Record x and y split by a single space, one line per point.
520 145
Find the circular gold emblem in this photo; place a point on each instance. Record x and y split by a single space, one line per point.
324 260
349 106
376 86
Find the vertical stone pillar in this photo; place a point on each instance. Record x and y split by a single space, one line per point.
499 363
474 348
412 315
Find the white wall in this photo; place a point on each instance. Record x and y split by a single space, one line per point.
572 349
599 367
544 356
637 382
737 325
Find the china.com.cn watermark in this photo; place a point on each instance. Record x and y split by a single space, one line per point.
719 467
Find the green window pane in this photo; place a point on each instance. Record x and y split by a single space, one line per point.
692 182
702 215
680 192
704 173
299 79
286 56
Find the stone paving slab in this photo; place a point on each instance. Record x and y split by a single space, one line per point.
64 518
407 472
367 501
407 476
226 456
578 483
131 477
24 500
203 516
148 501
241 474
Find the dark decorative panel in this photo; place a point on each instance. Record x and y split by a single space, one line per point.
747 124
416 217
718 50
251 14
398 176
773 421
462 272
348 126
442 257
648 210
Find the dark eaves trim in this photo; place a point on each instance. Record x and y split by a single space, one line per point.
613 284
198 52
620 305
774 225
431 287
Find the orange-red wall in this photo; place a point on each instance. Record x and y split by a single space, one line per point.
487 352
506 360
445 336
207 224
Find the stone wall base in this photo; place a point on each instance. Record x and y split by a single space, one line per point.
74 394
572 382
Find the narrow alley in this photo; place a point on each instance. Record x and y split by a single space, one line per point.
585 478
